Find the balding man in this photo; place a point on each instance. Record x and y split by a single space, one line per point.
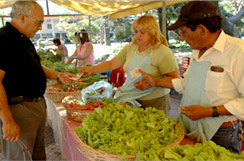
23 83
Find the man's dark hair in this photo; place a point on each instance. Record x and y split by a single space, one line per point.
57 40
212 23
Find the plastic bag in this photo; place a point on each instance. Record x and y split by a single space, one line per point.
96 91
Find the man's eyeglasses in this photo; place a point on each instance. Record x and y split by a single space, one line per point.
39 23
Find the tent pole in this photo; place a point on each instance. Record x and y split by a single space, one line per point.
89 27
164 17
47 7
3 21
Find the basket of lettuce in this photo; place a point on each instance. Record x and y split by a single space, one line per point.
201 151
119 132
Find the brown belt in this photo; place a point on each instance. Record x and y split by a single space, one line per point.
32 99
229 123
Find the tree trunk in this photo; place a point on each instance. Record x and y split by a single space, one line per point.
228 27
234 19
101 35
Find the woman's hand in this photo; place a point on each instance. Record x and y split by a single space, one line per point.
85 71
147 81
142 84
65 77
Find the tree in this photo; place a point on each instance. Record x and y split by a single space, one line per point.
233 12
70 28
123 32
93 29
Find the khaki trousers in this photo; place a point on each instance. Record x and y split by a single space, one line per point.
31 118
161 103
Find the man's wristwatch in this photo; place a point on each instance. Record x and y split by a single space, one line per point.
215 112
58 77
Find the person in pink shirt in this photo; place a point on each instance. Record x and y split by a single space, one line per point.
84 52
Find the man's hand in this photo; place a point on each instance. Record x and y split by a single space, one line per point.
196 112
65 77
11 132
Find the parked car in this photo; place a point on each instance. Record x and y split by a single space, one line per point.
44 41
48 41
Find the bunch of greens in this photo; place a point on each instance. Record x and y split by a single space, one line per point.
70 68
47 63
201 151
54 57
46 54
91 78
74 86
121 130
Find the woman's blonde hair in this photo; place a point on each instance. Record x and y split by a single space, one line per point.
150 24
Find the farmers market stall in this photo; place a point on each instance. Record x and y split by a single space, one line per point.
64 132
72 148
88 125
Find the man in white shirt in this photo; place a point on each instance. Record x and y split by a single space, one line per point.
213 85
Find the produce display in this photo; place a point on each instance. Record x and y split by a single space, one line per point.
201 151
70 68
47 56
72 103
123 130
74 86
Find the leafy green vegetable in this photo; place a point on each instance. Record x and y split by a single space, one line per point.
119 129
201 151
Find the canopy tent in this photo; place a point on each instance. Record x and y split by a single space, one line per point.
113 8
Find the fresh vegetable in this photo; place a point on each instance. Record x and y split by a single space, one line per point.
75 86
201 151
79 105
121 130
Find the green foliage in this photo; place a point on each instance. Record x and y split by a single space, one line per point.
71 28
91 78
229 9
94 28
173 12
226 8
48 55
201 151
119 129
122 32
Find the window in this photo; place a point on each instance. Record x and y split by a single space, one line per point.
49 26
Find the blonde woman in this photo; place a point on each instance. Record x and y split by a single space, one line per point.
148 51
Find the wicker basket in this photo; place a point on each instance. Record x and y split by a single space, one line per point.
76 115
57 97
94 154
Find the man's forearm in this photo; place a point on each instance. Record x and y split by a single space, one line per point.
50 74
5 113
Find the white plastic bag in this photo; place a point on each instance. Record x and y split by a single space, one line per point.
96 91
